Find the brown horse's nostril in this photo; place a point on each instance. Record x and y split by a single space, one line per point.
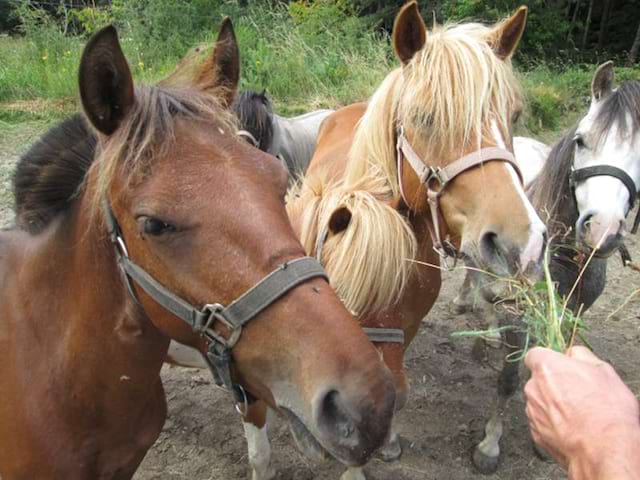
353 422
334 416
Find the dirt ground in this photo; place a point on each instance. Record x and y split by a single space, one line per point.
449 400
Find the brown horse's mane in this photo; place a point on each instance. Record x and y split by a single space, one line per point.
552 196
52 172
48 176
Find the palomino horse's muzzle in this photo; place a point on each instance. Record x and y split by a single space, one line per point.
430 176
203 320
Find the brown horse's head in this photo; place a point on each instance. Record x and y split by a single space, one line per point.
203 213
455 95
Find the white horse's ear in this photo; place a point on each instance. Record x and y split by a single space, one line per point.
506 35
602 83
409 32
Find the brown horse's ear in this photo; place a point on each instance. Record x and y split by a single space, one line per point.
339 220
221 72
602 83
506 35
409 32
106 85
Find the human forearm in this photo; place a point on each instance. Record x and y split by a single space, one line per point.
615 456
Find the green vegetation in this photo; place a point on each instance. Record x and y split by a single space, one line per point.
307 54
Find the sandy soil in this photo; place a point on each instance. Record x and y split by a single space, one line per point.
449 400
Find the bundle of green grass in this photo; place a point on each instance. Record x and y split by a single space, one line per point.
545 318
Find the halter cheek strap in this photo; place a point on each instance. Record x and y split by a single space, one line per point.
581 174
203 320
428 175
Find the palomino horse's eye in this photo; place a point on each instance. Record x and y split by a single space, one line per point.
156 227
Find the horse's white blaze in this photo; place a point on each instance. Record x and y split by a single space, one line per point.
605 199
533 249
531 156
259 452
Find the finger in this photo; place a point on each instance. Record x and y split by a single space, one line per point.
539 356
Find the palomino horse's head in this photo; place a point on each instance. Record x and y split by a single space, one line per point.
606 162
450 110
203 214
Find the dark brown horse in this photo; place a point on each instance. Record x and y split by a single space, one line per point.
172 193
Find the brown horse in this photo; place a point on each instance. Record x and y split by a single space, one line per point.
423 171
92 292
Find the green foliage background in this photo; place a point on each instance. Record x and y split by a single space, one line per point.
307 54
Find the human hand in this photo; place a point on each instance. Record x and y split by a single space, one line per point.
579 409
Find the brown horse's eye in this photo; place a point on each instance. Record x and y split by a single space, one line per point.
156 227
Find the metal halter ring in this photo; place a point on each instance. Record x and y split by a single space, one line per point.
215 314
245 401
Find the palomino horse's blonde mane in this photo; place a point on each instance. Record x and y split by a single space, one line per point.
449 94
368 262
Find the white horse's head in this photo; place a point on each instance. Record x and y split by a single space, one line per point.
608 136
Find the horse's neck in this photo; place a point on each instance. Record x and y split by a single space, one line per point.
95 332
294 140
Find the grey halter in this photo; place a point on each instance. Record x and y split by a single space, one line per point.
202 320
375 334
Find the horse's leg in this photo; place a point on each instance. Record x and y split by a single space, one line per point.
255 430
464 302
486 455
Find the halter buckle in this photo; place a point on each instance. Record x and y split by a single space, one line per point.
434 173
215 313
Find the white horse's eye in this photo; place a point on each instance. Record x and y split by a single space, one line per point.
579 141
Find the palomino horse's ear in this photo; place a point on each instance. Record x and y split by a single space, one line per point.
506 35
339 220
409 32
106 85
221 72
602 83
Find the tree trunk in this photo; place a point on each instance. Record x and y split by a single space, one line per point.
587 24
243 3
604 22
633 53
573 19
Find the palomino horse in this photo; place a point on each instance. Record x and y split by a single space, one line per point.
424 170
292 140
128 248
586 188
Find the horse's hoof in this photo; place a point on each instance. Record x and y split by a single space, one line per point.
460 306
269 474
354 473
541 453
484 463
392 451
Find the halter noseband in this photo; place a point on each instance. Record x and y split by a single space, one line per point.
581 174
202 320
443 176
